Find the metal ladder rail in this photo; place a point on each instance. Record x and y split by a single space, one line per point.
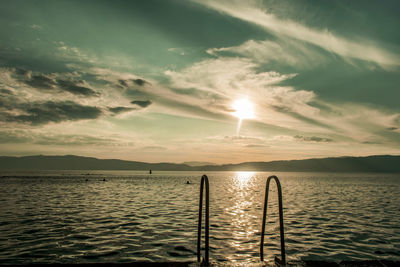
282 232
204 180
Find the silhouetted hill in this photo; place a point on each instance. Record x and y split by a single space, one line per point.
71 162
383 163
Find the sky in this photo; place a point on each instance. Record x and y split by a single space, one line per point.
160 81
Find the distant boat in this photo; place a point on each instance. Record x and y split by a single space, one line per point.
150 172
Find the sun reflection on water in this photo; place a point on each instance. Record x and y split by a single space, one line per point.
241 222
244 177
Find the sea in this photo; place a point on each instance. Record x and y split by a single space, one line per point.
130 216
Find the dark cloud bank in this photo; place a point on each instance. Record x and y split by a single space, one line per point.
45 82
37 113
16 109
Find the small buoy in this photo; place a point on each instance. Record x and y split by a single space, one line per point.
104 179
86 179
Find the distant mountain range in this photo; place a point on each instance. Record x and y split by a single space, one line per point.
381 163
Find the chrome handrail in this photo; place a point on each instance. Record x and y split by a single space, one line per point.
282 232
204 180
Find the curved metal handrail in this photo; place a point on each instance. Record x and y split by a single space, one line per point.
204 180
282 232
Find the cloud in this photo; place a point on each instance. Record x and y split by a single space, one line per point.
14 137
6 92
179 50
250 12
143 104
132 82
296 113
154 148
122 82
54 82
73 140
313 139
71 53
165 95
215 84
60 96
21 104
35 27
75 87
55 139
241 140
37 113
193 92
281 51
41 81
118 110
224 76
371 142
256 146
140 82
207 88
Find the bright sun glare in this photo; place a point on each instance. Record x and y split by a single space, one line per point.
243 109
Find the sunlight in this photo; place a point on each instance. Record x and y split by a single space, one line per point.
243 177
243 110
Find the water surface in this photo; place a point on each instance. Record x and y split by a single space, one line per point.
59 217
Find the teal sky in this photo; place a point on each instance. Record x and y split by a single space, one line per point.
157 80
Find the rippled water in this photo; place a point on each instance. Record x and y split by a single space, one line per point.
59 217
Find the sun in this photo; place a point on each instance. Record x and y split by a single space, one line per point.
243 109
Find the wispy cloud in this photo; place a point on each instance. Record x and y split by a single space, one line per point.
251 12
68 52
284 52
35 27
216 83
225 79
